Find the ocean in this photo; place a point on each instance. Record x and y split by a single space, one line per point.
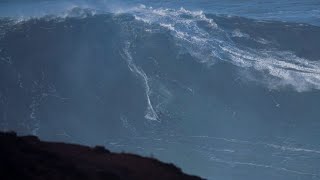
226 90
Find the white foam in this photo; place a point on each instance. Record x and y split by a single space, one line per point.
150 112
238 33
204 40
290 70
293 149
283 68
267 166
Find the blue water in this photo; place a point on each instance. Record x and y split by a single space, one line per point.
223 89
306 11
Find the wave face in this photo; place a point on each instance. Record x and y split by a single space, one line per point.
223 97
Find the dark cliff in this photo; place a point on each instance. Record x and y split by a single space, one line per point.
29 158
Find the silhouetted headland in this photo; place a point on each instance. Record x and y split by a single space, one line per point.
28 158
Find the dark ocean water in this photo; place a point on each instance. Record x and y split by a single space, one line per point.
226 90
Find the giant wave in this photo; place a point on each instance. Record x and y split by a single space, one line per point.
162 80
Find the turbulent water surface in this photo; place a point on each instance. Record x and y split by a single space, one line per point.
224 89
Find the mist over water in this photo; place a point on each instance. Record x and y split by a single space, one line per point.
225 90
292 11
